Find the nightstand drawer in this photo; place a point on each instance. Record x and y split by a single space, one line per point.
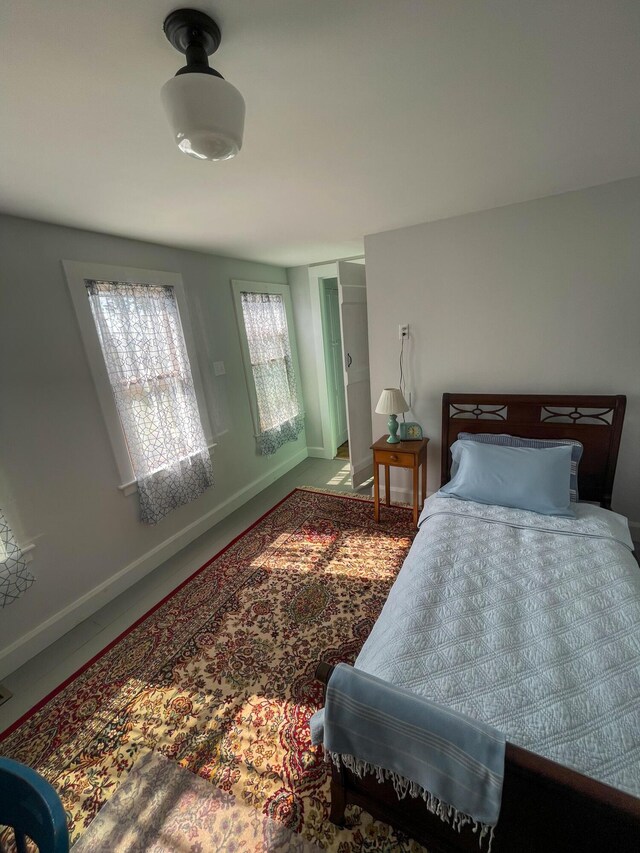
390 457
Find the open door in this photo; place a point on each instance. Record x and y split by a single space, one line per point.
332 333
355 348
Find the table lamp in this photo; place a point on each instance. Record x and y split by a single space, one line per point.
392 403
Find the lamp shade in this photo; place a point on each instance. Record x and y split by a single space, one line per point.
391 402
206 114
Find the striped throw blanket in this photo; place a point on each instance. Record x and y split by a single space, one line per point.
453 762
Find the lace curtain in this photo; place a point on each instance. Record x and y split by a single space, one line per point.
14 576
144 350
279 417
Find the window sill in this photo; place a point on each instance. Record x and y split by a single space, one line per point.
131 487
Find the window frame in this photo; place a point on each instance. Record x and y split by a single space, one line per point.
238 287
77 272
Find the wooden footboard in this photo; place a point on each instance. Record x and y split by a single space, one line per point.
545 807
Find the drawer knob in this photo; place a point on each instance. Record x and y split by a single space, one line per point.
393 457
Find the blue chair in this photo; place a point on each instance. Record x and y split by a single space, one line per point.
31 807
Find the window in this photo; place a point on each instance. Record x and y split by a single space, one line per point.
270 363
141 353
14 575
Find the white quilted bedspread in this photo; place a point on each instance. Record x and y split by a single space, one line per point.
529 623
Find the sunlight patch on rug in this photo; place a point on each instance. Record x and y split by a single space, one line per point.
162 808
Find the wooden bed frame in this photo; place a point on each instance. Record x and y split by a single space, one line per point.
545 806
596 421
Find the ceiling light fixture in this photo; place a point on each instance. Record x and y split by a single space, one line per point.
205 112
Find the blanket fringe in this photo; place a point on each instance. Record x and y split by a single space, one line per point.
404 787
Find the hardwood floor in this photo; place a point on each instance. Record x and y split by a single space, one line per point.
343 451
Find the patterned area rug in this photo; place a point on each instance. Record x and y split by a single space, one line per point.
218 678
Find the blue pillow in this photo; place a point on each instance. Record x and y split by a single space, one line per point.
535 479
515 441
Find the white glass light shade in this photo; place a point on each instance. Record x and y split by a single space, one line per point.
206 115
391 402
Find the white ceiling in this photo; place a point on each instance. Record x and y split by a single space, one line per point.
362 116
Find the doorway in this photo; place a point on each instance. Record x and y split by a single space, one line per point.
339 311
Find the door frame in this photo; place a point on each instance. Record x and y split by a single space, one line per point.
317 274
361 466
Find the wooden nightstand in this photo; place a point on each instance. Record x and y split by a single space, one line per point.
404 454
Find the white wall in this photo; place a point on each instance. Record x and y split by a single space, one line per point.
536 297
58 477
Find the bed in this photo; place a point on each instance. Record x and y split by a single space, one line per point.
547 803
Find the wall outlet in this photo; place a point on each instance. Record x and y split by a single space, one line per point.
403 330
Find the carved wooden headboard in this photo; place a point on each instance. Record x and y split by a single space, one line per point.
596 421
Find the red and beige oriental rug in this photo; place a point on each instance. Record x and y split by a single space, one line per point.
190 731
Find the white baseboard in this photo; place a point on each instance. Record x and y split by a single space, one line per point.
363 465
319 453
362 471
399 495
36 640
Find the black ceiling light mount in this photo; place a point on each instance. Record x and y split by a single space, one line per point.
197 36
205 111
